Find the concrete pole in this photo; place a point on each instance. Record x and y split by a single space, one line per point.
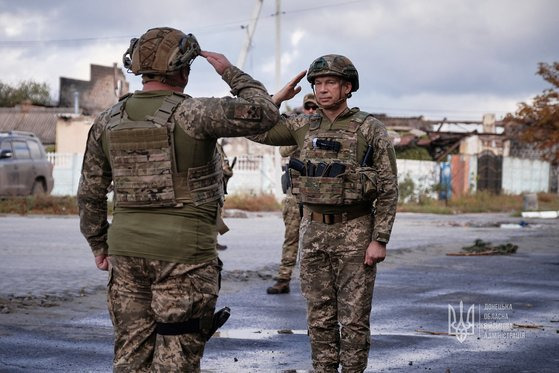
250 33
277 157
278 45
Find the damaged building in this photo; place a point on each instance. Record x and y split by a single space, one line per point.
102 90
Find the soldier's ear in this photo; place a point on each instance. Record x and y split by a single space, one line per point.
346 87
185 72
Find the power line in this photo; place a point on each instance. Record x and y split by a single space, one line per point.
20 43
318 7
213 28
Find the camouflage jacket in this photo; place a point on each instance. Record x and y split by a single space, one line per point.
252 112
292 130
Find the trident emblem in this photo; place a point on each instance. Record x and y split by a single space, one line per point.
460 328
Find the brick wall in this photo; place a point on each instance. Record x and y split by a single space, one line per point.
107 83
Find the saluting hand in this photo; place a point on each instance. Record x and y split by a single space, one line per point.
217 60
289 90
376 252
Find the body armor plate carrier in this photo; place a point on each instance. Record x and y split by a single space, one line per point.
143 162
355 185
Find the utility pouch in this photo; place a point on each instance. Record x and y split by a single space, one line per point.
322 190
368 182
295 180
285 182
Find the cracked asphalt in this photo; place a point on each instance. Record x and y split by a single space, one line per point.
53 315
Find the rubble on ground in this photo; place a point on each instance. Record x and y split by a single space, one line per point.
480 248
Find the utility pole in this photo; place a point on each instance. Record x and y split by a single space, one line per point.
278 45
246 46
277 157
250 32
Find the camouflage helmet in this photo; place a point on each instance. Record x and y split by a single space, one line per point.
160 51
309 97
334 64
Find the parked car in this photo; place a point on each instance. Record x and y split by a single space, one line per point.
24 168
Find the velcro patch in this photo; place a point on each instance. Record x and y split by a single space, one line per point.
246 112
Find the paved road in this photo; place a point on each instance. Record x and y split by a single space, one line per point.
45 263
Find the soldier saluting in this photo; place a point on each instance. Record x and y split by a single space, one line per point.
158 147
347 181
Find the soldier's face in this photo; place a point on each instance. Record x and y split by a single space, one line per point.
309 108
330 90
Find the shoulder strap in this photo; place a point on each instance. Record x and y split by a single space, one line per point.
124 97
366 132
314 122
167 108
360 117
117 112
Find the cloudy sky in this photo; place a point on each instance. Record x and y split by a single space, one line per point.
437 58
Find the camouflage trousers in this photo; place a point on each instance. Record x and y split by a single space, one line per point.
292 220
338 288
143 292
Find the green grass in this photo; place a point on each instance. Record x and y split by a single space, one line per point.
40 205
248 202
480 202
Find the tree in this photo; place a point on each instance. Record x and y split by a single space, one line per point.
538 123
37 93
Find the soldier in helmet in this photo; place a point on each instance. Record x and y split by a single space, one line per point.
158 148
347 182
291 215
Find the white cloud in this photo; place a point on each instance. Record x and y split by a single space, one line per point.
436 106
15 25
465 57
296 37
11 26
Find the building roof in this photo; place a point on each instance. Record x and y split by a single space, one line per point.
37 119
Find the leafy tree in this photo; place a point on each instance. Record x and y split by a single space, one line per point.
37 93
538 123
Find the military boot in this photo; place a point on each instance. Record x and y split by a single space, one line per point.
280 287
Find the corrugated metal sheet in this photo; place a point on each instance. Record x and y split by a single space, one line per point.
464 174
424 174
39 120
525 175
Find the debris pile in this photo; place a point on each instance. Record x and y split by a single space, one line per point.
480 248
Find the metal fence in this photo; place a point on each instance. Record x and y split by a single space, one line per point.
525 175
66 172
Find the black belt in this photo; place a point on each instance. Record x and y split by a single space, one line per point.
330 219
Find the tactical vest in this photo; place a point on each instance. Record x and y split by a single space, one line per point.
143 162
355 185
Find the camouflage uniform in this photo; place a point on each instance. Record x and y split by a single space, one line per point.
291 220
222 228
164 270
291 214
225 165
175 292
342 216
